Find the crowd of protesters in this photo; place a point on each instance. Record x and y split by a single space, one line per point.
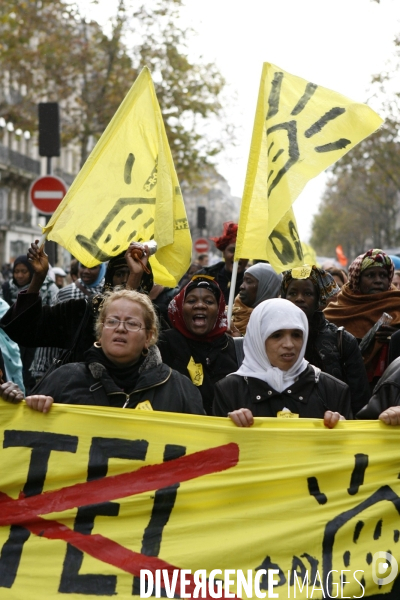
308 343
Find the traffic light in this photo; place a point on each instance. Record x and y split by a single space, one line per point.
201 217
49 129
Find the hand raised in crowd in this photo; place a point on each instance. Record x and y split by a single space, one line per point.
38 258
384 333
391 416
135 265
40 264
40 403
331 419
10 392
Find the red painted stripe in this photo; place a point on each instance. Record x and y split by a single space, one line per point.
109 552
25 510
146 479
99 547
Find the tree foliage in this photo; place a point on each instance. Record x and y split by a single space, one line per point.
361 205
50 52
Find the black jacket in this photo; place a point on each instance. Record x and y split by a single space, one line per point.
90 383
218 359
31 324
223 278
386 393
346 365
394 346
309 397
161 304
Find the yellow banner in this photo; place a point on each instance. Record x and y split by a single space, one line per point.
99 501
127 191
300 129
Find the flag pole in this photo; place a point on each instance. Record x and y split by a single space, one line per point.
42 240
232 291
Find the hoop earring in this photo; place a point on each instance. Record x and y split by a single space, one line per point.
97 344
145 353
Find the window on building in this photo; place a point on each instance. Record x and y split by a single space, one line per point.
16 249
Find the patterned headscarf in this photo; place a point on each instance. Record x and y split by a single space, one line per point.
372 258
175 312
323 281
228 236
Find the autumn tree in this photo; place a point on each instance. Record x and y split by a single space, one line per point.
358 209
361 205
49 51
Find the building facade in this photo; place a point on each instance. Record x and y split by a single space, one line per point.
214 194
20 165
20 222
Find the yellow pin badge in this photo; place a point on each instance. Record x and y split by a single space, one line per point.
145 405
301 272
195 371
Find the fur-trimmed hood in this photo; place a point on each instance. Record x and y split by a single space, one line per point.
152 360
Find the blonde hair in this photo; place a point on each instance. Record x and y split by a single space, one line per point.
149 315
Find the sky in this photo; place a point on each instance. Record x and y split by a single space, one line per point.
338 44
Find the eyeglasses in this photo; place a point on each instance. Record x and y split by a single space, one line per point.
110 323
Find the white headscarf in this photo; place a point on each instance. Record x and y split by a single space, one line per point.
266 318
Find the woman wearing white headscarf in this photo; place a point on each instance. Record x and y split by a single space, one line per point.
275 380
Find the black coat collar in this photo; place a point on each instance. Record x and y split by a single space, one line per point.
300 390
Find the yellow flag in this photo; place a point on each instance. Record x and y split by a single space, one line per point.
95 498
127 191
300 129
309 255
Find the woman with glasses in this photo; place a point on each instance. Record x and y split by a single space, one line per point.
69 324
123 368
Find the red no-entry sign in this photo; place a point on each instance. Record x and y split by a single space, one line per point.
47 192
201 245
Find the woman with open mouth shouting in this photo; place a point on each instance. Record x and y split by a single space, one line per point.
197 344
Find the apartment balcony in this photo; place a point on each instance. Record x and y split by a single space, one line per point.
15 217
16 163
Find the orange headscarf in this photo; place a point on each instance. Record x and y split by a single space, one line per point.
359 312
